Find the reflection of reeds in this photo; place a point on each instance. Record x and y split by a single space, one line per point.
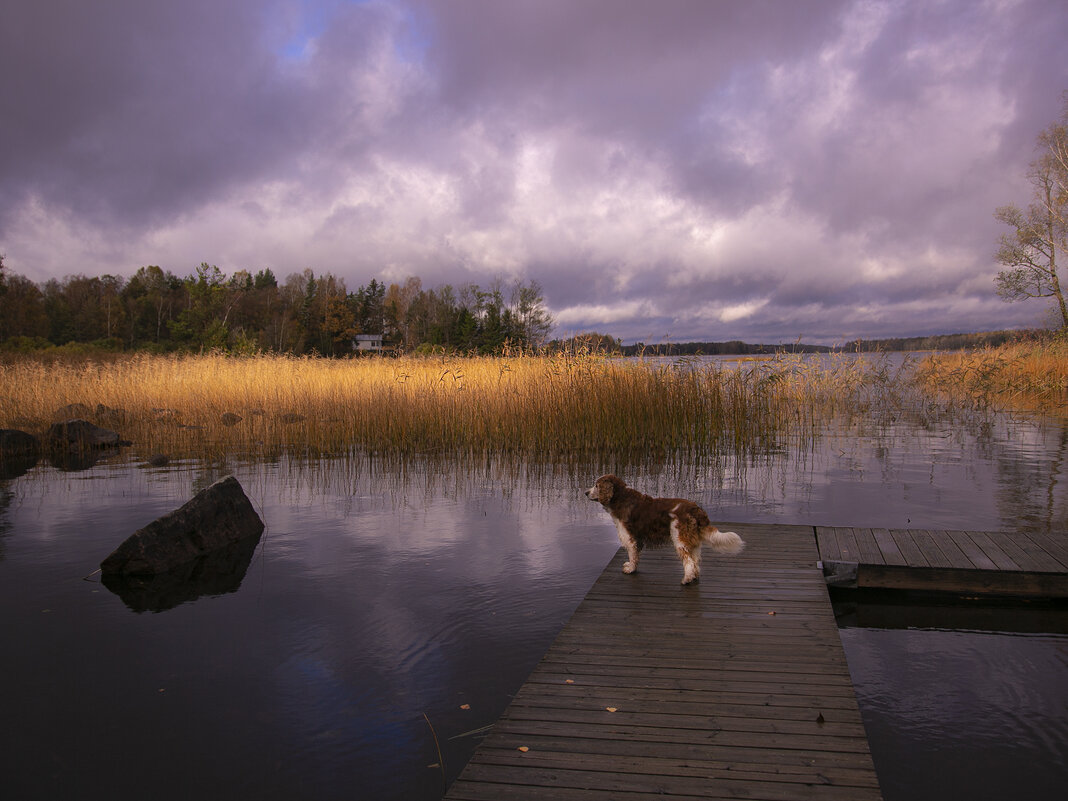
548 406
1026 375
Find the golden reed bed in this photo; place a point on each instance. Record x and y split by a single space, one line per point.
535 405
549 407
1030 376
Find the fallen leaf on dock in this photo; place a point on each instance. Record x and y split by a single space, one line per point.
569 681
523 748
465 706
610 708
771 613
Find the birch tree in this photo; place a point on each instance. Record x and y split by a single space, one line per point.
1030 251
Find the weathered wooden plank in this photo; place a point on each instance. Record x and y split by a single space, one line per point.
887 547
789 707
640 677
756 621
794 627
1056 547
707 736
957 557
827 543
488 791
847 544
645 653
695 655
993 551
971 549
715 732
790 760
699 650
784 675
663 697
708 763
930 549
736 717
870 553
1022 551
624 717
909 549
614 783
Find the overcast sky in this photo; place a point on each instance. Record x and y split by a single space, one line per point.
666 170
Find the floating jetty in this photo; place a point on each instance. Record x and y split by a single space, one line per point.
982 562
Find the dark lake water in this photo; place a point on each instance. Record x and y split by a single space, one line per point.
977 711
384 599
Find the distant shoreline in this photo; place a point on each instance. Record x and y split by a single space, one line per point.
937 342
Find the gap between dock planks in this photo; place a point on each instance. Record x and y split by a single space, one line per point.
736 687
998 563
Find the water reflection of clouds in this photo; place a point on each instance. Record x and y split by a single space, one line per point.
1001 473
406 596
937 703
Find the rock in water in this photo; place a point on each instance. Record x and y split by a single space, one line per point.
17 443
216 573
216 517
19 452
77 433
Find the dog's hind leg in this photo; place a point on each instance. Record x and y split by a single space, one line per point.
631 544
687 548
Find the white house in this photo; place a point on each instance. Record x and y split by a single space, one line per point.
372 342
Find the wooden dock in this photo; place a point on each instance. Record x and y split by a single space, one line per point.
736 687
984 562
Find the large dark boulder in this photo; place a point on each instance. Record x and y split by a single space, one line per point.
215 518
17 443
19 452
79 434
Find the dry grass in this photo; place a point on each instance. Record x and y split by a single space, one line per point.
563 407
1030 376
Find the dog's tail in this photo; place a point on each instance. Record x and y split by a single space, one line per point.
722 541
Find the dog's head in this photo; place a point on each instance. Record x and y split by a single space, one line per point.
605 489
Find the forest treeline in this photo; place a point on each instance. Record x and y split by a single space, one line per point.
248 312
245 312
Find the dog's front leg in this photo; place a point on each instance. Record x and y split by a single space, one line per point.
631 544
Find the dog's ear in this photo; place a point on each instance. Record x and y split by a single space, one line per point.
615 482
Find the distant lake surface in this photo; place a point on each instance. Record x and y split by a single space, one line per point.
391 601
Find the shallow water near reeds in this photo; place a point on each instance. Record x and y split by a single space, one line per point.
392 607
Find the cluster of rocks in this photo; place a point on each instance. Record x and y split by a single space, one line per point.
72 443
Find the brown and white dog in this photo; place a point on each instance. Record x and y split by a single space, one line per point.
644 521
